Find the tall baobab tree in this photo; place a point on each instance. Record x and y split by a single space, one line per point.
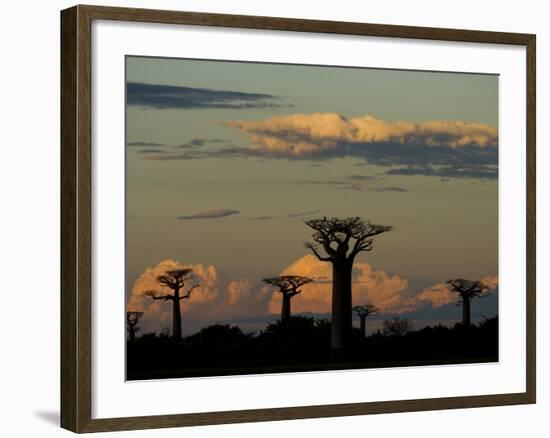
364 311
466 291
338 241
132 320
288 287
174 280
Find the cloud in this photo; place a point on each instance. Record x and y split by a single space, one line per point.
316 131
303 213
198 142
451 171
223 300
217 299
362 178
336 184
263 218
435 148
392 294
440 294
144 143
177 97
210 214
150 151
386 291
389 189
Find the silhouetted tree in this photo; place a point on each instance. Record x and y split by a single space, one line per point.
341 240
466 291
175 280
397 326
288 287
364 311
132 320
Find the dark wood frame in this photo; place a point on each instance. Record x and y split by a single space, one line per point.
76 322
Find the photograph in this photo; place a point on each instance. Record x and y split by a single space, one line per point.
299 218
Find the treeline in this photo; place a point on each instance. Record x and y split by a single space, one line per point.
300 343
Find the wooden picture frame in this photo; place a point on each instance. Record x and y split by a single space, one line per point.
76 218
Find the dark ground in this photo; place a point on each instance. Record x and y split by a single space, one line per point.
303 344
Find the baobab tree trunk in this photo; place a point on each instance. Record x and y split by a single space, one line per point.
341 308
285 311
466 319
363 325
176 323
131 335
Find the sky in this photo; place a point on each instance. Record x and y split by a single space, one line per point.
226 160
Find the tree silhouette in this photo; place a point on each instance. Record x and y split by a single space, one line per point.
466 290
132 320
288 286
175 280
341 240
364 311
397 326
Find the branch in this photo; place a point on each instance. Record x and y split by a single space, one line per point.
188 294
313 249
156 296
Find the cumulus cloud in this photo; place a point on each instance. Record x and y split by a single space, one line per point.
386 291
177 97
210 214
300 134
439 148
217 299
440 294
158 313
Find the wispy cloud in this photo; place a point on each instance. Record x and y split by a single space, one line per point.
177 97
389 189
263 218
352 182
303 213
144 143
210 214
198 142
150 151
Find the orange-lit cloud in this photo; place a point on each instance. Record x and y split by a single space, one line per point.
216 299
385 291
219 299
440 294
308 134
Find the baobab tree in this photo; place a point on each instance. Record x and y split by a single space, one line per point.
174 280
466 291
288 287
364 311
132 320
397 326
338 241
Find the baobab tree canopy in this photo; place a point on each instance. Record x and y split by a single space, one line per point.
175 280
338 236
288 282
365 310
467 288
288 286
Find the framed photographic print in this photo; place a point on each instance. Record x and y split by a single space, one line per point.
306 218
